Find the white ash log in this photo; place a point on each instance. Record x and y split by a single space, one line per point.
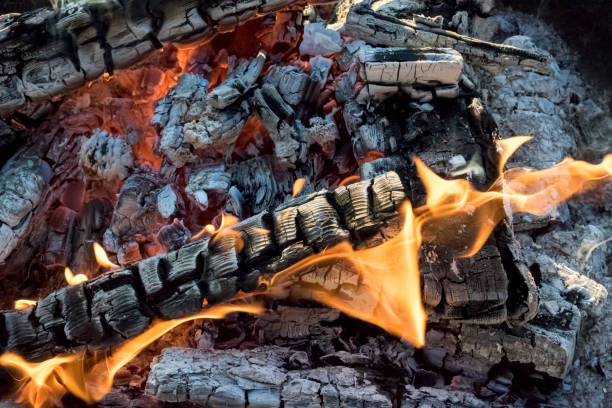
388 70
364 23
262 377
23 183
106 156
47 52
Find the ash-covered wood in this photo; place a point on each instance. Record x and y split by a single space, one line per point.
24 181
272 376
47 51
262 377
240 82
378 29
386 71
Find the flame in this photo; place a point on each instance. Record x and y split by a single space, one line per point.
72 279
389 275
102 257
455 214
349 180
24 303
226 221
455 205
87 377
298 185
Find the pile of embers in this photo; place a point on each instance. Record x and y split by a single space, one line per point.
149 128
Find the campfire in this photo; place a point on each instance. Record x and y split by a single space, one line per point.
279 203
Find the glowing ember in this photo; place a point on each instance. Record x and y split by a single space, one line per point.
24 303
102 257
90 378
74 279
298 185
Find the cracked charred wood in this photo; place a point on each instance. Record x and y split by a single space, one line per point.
292 84
214 379
277 116
379 29
46 52
422 73
122 303
239 83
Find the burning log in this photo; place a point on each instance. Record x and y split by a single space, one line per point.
122 303
378 29
47 52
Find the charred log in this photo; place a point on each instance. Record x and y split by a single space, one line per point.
46 52
122 303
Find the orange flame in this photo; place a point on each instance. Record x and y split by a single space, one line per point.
44 384
349 180
74 279
298 185
389 280
102 257
388 274
226 221
24 303
457 205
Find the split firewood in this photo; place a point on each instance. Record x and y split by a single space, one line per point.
47 51
378 29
